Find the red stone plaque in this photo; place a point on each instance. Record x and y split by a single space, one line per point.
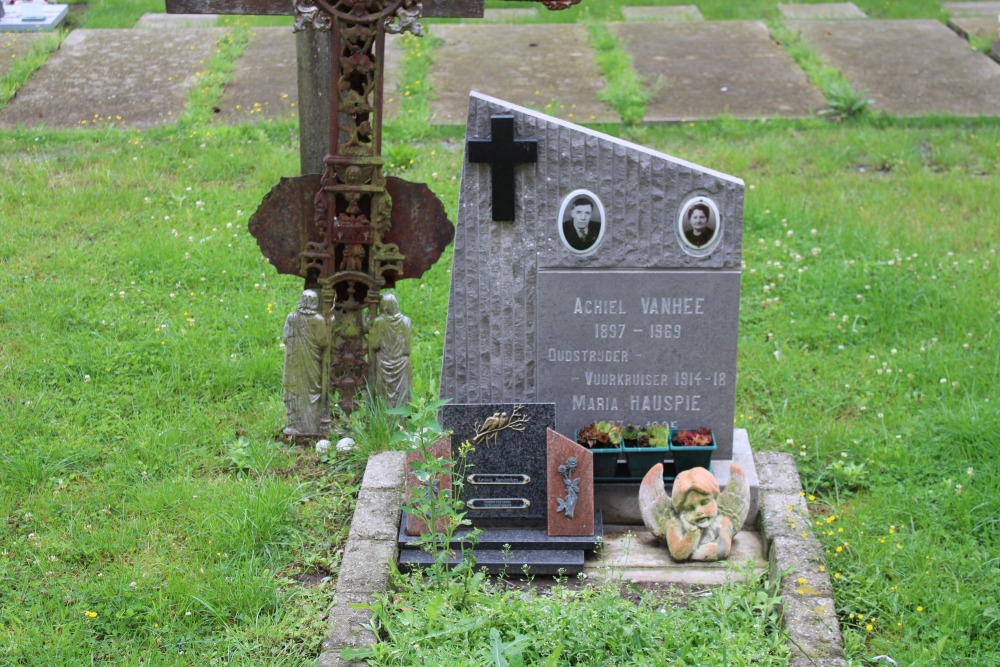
570 487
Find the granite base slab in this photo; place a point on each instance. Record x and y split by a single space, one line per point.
533 69
832 10
175 21
507 562
263 86
511 550
521 538
671 14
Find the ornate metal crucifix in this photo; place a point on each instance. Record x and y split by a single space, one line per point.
350 232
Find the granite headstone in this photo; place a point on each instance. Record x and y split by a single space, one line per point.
613 293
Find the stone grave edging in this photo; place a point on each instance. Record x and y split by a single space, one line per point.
808 613
370 549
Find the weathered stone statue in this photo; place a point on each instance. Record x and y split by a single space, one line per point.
389 343
697 521
307 342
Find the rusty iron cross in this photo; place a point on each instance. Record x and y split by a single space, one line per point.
350 232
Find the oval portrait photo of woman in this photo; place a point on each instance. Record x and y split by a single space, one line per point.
698 224
581 221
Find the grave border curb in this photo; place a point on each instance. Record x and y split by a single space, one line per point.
808 612
369 554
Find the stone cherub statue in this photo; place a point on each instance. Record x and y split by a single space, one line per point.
307 342
389 342
697 521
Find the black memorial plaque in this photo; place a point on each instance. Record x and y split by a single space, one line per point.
505 475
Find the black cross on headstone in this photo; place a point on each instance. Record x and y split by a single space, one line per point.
502 151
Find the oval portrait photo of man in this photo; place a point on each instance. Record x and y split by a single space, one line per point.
698 224
581 222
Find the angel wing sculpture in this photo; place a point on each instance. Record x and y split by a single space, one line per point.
697 521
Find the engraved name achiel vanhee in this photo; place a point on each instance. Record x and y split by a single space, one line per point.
614 292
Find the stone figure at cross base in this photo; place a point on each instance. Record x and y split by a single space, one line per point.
307 342
697 521
389 342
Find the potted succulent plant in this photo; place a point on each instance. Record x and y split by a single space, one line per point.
651 447
692 448
603 439
634 436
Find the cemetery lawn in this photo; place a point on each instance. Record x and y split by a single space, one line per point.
150 513
151 517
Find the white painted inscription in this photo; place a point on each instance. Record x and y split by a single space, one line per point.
638 346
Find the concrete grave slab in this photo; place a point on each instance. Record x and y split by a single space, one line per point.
981 9
546 67
132 78
985 29
976 27
676 14
15 46
908 67
264 85
392 62
504 15
632 553
717 67
157 20
833 10
32 17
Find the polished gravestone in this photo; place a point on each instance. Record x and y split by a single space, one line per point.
908 67
712 68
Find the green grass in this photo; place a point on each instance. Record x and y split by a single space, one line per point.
22 68
477 623
140 380
125 259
